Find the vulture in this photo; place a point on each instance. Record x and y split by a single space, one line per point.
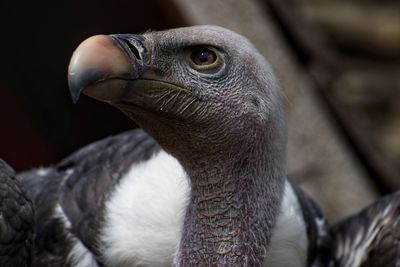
203 182
16 221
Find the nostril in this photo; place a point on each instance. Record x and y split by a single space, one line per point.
132 45
133 49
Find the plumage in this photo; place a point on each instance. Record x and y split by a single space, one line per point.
370 238
16 221
145 213
70 196
124 158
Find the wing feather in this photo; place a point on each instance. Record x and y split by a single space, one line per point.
80 185
370 238
16 221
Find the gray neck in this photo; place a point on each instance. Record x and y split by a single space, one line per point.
234 203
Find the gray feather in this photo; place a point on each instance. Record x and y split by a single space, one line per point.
370 238
80 184
16 221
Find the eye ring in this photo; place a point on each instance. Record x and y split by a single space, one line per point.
203 58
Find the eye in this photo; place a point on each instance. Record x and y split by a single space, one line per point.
203 58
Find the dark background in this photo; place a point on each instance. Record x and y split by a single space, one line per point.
39 123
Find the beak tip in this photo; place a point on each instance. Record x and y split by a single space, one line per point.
75 98
74 89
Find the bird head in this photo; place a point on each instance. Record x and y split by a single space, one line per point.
200 88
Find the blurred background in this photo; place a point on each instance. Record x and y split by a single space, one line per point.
338 63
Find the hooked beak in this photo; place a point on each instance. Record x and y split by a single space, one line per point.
101 65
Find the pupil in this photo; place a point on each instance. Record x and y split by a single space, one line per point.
203 57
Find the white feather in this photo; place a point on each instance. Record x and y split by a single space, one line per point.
289 241
145 214
79 256
42 171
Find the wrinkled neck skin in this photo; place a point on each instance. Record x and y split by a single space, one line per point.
235 199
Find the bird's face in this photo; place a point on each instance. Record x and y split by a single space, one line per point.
204 84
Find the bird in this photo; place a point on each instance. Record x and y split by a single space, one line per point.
16 221
212 104
203 181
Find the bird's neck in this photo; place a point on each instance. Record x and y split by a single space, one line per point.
235 200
